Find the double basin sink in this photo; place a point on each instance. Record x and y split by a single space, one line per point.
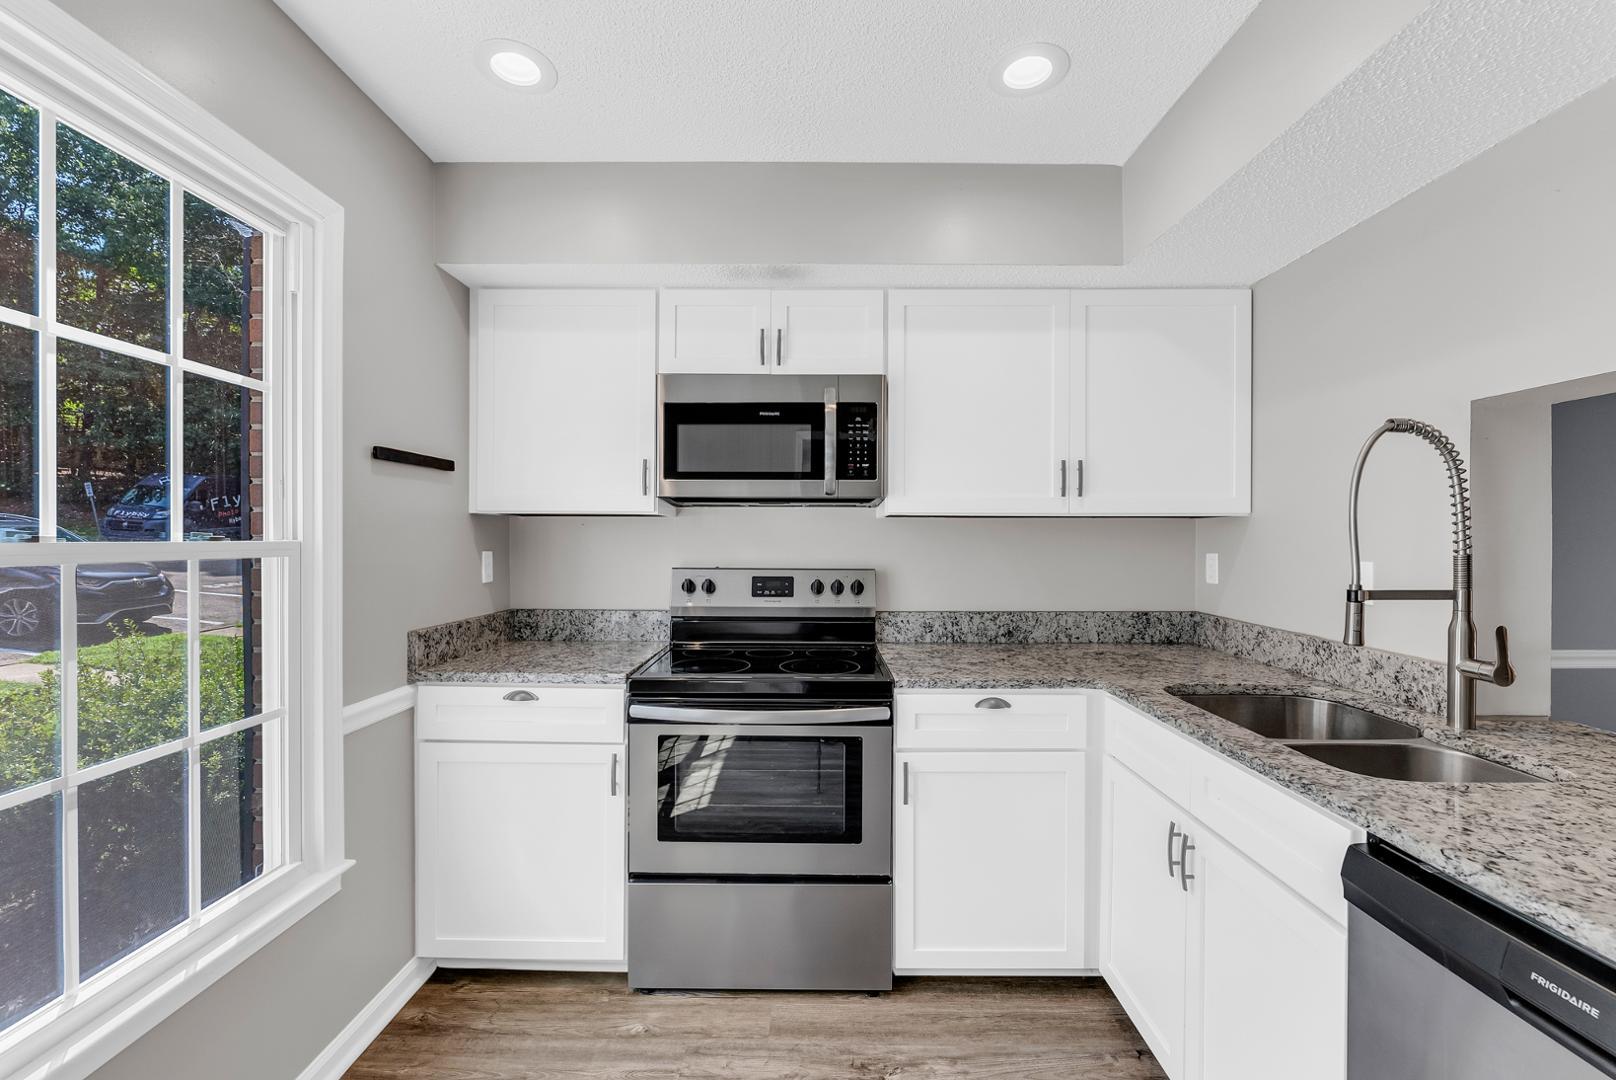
1354 739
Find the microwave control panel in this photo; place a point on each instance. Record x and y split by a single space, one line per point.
856 441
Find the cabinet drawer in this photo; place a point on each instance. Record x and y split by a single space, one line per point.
550 714
1161 758
991 720
1293 840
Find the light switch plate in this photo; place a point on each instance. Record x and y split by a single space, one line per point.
488 567
1211 568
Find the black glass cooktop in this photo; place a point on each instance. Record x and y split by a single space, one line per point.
760 668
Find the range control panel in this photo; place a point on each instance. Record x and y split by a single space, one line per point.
827 590
857 441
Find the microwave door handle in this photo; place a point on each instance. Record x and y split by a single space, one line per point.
830 441
678 714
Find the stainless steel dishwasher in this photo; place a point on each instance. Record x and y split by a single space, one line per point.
1443 983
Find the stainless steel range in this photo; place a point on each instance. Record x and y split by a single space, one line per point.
760 788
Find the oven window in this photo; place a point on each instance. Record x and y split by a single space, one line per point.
766 789
746 440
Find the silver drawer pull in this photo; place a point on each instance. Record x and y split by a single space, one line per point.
612 787
521 695
993 703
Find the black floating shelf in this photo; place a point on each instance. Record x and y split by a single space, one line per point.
407 457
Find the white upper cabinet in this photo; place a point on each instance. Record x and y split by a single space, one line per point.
829 331
979 401
783 332
1167 400
1036 402
722 331
564 401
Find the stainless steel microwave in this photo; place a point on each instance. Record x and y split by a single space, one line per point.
770 438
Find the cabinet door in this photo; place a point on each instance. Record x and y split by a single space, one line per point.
520 852
564 401
979 397
829 331
715 330
988 862
1144 912
1270 992
1167 401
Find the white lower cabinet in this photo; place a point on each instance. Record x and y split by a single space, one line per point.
1224 950
1270 995
520 853
988 862
1144 910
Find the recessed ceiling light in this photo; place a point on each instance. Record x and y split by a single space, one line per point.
1030 69
516 66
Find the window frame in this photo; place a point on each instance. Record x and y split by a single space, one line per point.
57 65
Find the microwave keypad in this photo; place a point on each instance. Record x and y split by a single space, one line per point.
856 441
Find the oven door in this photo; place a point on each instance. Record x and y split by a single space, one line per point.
744 450
736 792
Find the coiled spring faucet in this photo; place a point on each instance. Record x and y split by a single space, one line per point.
1464 669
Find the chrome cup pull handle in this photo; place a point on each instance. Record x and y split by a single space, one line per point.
993 703
521 695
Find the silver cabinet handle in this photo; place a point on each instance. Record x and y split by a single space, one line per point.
779 347
1079 478
613 787
1184 849
906 783
521 695
1172 835
645 476
993 703
763 345
1063 478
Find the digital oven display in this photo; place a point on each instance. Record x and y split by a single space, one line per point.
774 586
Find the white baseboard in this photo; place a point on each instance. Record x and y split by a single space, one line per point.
362 714
362 1030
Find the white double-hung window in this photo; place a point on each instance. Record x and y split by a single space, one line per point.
168 742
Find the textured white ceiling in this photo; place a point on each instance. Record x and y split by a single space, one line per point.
774 80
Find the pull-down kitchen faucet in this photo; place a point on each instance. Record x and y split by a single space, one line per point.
1464 669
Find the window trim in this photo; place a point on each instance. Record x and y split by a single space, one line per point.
47 55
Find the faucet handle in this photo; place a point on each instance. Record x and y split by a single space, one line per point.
1503 671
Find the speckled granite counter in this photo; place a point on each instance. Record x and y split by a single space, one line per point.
1547 850
551 662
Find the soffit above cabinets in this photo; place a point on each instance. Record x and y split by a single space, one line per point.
739 80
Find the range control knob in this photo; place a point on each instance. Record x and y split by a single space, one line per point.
687 586
817 587
708 587
836 587
857 588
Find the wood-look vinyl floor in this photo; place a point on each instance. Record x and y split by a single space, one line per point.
493 1025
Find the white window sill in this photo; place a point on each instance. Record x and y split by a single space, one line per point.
68 1040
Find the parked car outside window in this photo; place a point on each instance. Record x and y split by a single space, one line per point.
212 508
107 592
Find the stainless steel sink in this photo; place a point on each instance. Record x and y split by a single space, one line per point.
1294 717
1421 761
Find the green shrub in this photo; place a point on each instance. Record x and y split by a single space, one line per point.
131 695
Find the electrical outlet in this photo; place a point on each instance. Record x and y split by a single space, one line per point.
1211 568
488 567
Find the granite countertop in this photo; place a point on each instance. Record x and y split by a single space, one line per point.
1546 850
553 663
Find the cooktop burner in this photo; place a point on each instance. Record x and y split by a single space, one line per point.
708 665
765 660
819 665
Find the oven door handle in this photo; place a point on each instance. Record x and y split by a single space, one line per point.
678 714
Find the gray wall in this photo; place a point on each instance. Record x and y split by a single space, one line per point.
1512 493
779 214
411 550
1585 554
923 563
1495 278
